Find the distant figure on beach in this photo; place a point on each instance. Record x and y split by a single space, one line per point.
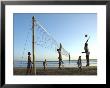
29 64
69 58
60 56
87 52
79 63
45 64
60 59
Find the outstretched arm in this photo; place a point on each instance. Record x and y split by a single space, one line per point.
88 39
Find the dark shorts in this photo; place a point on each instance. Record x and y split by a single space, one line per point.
29 65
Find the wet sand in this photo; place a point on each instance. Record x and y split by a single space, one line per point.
91 70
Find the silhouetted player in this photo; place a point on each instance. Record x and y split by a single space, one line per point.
45 64
87 52
79 62
60 56
29 64
69 58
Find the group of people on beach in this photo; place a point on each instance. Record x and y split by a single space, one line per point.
79 63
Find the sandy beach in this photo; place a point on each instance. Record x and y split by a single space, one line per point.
91 70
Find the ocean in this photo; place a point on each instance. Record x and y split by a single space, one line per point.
73 63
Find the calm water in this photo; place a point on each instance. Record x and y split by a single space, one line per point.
73 63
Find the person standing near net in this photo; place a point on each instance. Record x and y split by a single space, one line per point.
29 64
60 56
45 64
79 63
60 60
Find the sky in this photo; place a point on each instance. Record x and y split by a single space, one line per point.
66 28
